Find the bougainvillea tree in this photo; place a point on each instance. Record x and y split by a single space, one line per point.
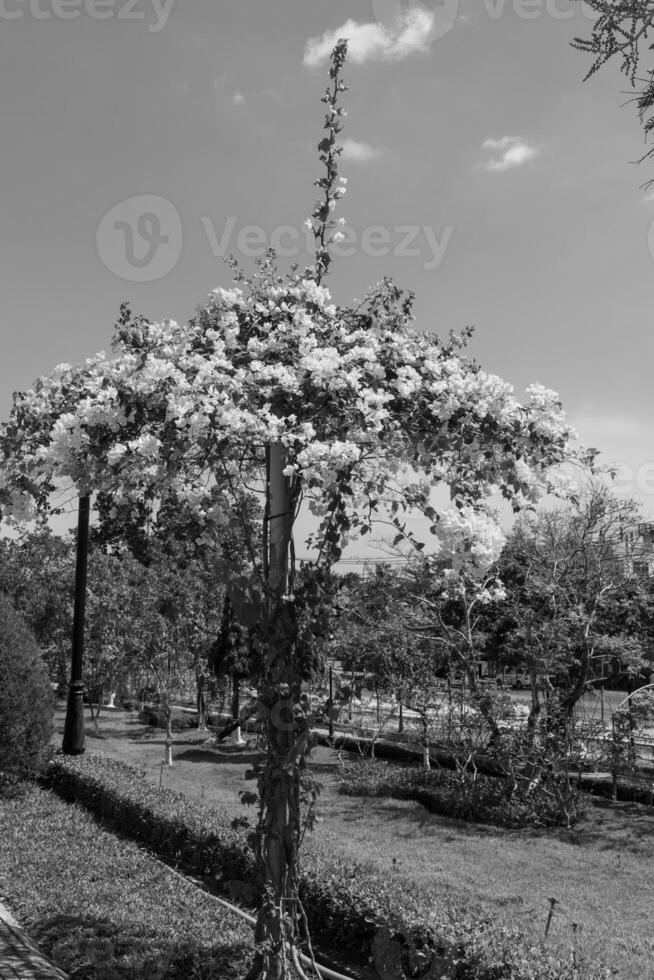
272 389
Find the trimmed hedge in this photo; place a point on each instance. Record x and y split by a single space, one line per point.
484 800
350 907
629 791
175 828
181 721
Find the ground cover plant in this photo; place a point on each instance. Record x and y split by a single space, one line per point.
101 907
598 872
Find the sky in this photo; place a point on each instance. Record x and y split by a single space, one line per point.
143 140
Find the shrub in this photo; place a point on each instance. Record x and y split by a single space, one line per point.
156 716
484 799
351 907
26 698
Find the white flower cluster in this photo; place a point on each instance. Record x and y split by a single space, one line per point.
469 538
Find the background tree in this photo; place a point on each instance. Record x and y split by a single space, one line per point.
234 654
566 572
622 30
37 573
196 556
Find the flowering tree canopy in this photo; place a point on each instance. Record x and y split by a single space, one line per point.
355 397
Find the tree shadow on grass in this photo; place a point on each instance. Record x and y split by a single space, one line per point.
221 756
90 948
417 817
615 826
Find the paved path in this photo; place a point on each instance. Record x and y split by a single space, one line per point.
20 958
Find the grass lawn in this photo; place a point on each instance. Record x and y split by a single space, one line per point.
600 872
103 909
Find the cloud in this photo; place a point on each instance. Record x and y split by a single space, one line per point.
648 198
358 152
409 35
509 152
228 95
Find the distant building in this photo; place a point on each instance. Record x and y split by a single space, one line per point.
637 550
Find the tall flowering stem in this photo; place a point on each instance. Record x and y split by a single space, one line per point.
332 185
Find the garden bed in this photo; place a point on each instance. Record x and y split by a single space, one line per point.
353 908
101 908
598 871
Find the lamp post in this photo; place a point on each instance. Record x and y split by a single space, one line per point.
73 741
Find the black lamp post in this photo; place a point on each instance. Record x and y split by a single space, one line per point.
73 742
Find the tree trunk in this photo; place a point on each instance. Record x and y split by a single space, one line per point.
279 843
169 734
96 719
236 706
426 761
287 732
236 697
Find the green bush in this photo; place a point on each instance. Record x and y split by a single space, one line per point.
26 698
353 908
484 799
181 720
